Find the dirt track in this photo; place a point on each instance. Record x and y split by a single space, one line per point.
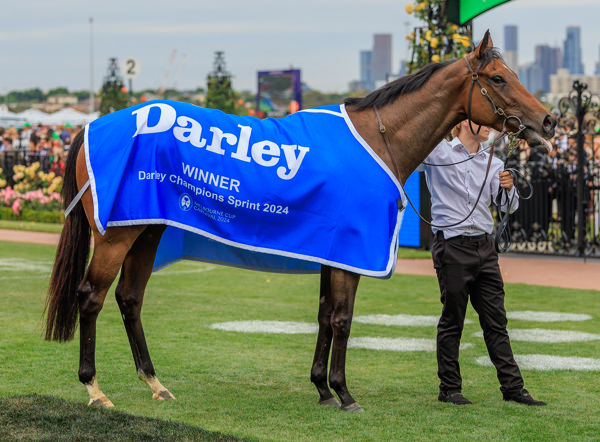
549 271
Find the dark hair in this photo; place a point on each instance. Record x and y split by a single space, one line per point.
410 83
390 91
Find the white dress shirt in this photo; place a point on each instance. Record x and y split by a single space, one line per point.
454 189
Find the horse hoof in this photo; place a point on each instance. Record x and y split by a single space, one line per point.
332 402
163 395
353 408
101 402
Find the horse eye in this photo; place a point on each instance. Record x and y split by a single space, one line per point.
498 79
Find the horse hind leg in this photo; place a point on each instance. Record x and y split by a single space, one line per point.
318 374
109 252
129 293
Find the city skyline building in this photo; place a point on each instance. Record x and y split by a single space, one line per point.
511 47
376 64
382 58
550 61
366 70
536 76
572 59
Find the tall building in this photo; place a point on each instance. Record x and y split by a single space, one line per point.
382 58
572 51
532 77
366 70
536 76
511 48
549 60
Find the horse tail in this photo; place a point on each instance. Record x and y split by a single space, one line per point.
62 306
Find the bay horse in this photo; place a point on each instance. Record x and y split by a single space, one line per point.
402 121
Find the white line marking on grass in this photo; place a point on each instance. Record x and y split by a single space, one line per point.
549 362
401 320
24 265
547 316
547 336
266 327
165 272
10 278
397 344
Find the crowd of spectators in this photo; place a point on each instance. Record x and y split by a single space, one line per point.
47 145
553 177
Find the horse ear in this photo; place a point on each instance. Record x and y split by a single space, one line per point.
486 42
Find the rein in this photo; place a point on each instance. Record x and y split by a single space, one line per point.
501 237
386 139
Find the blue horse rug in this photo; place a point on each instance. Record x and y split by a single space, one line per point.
281 195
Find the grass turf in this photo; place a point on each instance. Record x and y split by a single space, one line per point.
256 386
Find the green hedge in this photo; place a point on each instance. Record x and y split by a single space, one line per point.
40 216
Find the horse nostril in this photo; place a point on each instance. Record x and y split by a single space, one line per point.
549 124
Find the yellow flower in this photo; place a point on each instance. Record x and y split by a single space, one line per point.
434 42
428 35
410 37
409 8
421 6
456 37
466 42
435 58
454 28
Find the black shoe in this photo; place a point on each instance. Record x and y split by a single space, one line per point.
454 397
522 397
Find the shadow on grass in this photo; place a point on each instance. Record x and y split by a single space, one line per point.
43 418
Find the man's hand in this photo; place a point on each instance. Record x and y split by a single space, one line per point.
506 179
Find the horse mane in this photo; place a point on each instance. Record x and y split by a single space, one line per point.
412 82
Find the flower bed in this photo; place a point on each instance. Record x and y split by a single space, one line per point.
35 196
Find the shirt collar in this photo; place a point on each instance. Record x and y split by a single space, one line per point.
457 146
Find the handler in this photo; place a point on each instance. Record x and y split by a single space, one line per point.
466 260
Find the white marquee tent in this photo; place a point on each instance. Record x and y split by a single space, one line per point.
36 116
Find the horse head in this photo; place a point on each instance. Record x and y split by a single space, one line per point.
497 98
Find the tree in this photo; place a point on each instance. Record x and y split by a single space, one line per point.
220 94
114 94
438 40
57 91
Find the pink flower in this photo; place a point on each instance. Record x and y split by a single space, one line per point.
16 207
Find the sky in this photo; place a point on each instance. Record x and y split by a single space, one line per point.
50 44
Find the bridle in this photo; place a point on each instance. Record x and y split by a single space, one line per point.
497 109
512 144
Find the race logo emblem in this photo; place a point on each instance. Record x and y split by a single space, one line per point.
185 202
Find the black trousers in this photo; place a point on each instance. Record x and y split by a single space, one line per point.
468 266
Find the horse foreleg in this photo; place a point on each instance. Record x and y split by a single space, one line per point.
129 293
318 373
343 292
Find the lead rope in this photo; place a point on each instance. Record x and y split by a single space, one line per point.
503 237
401 205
